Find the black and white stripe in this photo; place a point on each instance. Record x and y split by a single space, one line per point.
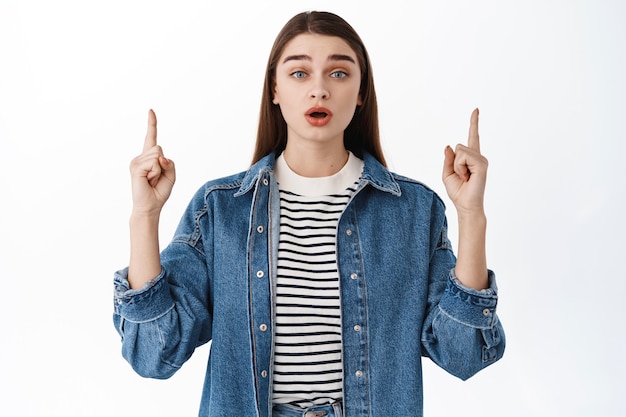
307 366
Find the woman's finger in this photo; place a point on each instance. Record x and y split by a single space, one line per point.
473 141
151 134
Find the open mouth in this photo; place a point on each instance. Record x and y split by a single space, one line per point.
318 116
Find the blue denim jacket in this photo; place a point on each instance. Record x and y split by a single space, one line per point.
399 296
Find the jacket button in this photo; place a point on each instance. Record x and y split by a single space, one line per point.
353 276
260 274
357 328
264 374
349 232
263 327
486 312
265 181
259 229
359 374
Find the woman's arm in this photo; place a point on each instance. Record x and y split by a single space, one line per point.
465 176
152 179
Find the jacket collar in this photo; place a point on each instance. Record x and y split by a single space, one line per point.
374 173
379 176
256 171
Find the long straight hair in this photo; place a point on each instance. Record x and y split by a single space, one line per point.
362 134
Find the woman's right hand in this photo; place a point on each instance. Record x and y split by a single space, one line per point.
152 174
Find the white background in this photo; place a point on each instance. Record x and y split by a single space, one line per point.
77 79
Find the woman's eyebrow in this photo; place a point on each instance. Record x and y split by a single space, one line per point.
334 57
297 58
339 57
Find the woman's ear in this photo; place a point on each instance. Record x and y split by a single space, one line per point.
274 95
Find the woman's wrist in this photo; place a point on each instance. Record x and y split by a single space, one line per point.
471 267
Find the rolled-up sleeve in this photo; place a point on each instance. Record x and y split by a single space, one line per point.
463 333
146 304
162 323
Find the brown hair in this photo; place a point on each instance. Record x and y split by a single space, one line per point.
362 134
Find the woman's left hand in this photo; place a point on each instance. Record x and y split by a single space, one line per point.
465 173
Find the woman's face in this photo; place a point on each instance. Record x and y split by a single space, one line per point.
317 88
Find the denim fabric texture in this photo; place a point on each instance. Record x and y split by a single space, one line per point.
331 410
399 296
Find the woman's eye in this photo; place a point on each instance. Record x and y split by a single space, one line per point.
339 74
298 74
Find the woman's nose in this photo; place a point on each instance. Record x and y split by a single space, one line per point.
319 91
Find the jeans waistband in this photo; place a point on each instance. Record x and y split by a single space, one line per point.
285 410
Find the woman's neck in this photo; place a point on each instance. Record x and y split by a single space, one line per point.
316 162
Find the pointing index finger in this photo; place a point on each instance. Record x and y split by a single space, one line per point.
151 134
473 141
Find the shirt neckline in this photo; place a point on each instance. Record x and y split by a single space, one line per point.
318 186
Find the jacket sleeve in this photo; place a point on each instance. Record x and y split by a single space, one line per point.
462 332
162 323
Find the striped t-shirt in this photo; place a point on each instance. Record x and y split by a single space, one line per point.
307 362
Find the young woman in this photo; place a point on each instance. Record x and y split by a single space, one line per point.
320 277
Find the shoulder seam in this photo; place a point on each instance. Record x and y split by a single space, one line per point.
402 178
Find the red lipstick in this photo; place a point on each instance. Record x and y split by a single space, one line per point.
318 116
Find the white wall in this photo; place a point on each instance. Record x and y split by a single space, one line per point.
77 79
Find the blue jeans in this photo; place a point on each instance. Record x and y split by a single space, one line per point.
284 410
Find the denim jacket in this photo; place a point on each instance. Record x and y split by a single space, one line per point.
400 299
